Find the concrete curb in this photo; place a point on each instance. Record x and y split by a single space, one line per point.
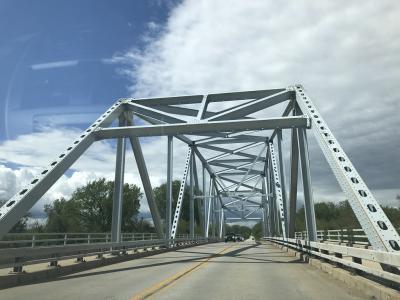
371 289
13 280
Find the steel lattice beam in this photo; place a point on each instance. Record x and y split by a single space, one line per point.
380 231
118 186
277 188
144 176
201 127
232 132
181 194
19 204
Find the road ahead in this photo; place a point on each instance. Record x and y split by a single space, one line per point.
215 271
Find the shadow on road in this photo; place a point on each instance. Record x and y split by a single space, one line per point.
235 253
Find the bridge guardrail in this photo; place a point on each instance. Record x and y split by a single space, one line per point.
18 257
346 256
349 237
15 240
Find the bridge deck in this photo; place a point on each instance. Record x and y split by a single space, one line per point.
213 271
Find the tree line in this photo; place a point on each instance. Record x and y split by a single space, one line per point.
330 216
89 209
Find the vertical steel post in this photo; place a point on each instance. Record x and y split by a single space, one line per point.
169 188
204 200
210 192
221 223
144 176
263 220
294 171
181 194
273 200
283 182
273 217
191 203
271 212
217 217
224 226
266 230
308 195
213 211
277 188
118 187
198 201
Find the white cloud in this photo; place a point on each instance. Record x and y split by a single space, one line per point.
55 64
38 148
344 53
13 180
8 181
32 152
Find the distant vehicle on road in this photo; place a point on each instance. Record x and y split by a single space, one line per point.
239 238
230 237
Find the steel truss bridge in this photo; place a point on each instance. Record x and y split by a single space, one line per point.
235 145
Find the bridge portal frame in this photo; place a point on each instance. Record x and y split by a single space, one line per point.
189 119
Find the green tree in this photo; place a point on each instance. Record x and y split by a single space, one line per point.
90 209
239 229
393 214
160 195
63 216
256 231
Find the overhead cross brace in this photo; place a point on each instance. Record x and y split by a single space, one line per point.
195 128
236 126
376 225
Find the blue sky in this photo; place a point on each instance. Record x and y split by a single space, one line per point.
53 53
63 62
56 77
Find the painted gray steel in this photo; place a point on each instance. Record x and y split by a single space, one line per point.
236 147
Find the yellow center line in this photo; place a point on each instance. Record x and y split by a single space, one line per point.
173 278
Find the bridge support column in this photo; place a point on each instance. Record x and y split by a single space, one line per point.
209 203
148 190
264 201
271 209
272 198
213 211
198 201
308 195
168 210
17 268
221 223
204 201
118 186
283 181
263 220
294 171
191 203
178 208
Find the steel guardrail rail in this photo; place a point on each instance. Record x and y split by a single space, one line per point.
348 236
18 257
14 240
335 253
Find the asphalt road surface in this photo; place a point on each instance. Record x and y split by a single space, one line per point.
214 271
